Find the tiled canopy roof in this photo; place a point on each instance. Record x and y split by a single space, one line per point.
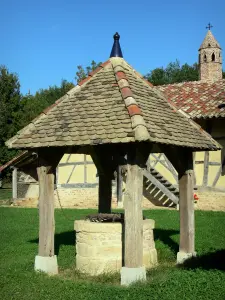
113 105
197 98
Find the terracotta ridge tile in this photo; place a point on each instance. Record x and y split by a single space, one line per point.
137 121
95 71
126 92
80 83
105 63
133 110
120 75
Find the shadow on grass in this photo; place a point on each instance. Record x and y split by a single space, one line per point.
164 235
63 238
208 261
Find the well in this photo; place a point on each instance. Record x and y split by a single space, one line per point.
99 246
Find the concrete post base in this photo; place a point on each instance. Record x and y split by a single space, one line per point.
183 256
47 264
131 275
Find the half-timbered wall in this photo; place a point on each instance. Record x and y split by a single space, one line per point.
77 178
76 171
207 168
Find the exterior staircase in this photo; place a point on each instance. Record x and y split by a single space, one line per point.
158 190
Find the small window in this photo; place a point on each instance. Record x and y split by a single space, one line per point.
219 54
209 45
213 57
205 59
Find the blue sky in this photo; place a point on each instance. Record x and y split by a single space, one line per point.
44 41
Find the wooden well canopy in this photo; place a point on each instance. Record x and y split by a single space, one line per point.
117 117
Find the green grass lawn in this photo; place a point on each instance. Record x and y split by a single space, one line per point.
203 278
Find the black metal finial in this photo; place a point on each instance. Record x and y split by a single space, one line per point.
116 50
209 26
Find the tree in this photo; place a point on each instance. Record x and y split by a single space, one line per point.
83 73
173 73
9 106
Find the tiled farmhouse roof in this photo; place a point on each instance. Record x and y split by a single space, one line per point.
113 105
197 98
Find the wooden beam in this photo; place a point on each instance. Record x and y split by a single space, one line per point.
173 154
14 183
161 187
167 164
206 169
77 163
186 206
71 173
218 174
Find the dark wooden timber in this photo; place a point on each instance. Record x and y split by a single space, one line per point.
186 204
47 162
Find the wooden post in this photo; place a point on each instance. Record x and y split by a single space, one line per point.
46 211
182 159
105 192
14 183
133 248
46 261
187 227
119 186
102 158
133 255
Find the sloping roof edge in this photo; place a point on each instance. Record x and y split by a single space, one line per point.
45 112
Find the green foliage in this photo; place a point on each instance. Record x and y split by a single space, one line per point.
82 73
9 106
173 73
19 245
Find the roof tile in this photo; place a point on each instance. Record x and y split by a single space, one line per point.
199 99
99 111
